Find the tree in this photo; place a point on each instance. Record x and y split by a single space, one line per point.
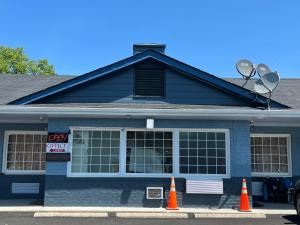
14 61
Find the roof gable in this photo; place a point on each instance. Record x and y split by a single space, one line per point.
183 68
120 87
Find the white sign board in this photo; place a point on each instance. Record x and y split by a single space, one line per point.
57 147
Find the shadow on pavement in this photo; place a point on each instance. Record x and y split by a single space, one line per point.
293 219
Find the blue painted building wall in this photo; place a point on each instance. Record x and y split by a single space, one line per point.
119 88
7 180
63 190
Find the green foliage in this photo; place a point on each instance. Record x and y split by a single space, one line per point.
14 61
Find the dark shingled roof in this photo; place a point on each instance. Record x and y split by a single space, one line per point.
287 92
13 87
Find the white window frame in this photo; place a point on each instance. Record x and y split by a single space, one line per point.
227 155
272 174
150 174
175 154
5 149
69 164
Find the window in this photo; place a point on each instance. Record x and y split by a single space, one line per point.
99 152
202 152
95 151
25 151
149 80
149 152
270 154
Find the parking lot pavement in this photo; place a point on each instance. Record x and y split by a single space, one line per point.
28 219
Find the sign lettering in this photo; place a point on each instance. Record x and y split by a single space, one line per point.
57 143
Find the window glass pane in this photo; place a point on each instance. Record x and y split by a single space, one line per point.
221 169
202 169
26 151
95 151
220 136
183 135
149 152
212 170
12 138
269 154
96 134
202 161
202 152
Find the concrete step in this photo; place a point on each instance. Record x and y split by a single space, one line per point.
71 214
166 215
230 215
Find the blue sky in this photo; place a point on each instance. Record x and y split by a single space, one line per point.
80 36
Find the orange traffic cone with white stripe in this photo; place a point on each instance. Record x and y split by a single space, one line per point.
172 200
244 200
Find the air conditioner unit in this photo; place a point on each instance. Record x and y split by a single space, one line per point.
154 193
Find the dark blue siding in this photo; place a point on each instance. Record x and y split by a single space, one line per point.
118 87
131 192
7 180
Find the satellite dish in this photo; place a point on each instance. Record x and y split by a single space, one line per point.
260 88
245 68
267 84
262 69
270 80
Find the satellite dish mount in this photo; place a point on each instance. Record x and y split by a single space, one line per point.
267 82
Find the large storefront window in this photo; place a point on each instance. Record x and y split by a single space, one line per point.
149 152
95 151
25 151
129 152
202 153
270 154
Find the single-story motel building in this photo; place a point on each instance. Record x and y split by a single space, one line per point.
114 133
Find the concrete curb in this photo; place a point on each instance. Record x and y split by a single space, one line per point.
230 215
151 215
70 214
277 211
150 212
174 215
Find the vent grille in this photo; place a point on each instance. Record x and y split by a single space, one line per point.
204 186
149 80
154 193
25 188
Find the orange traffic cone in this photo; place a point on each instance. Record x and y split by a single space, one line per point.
172 200
244 200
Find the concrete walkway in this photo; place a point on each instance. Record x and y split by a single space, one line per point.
131 212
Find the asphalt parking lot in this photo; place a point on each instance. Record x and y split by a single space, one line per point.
27 219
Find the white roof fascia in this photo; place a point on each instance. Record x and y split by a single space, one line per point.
115 112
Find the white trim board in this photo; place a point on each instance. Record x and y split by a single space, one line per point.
145 113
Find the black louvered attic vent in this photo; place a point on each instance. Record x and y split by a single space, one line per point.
149 80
